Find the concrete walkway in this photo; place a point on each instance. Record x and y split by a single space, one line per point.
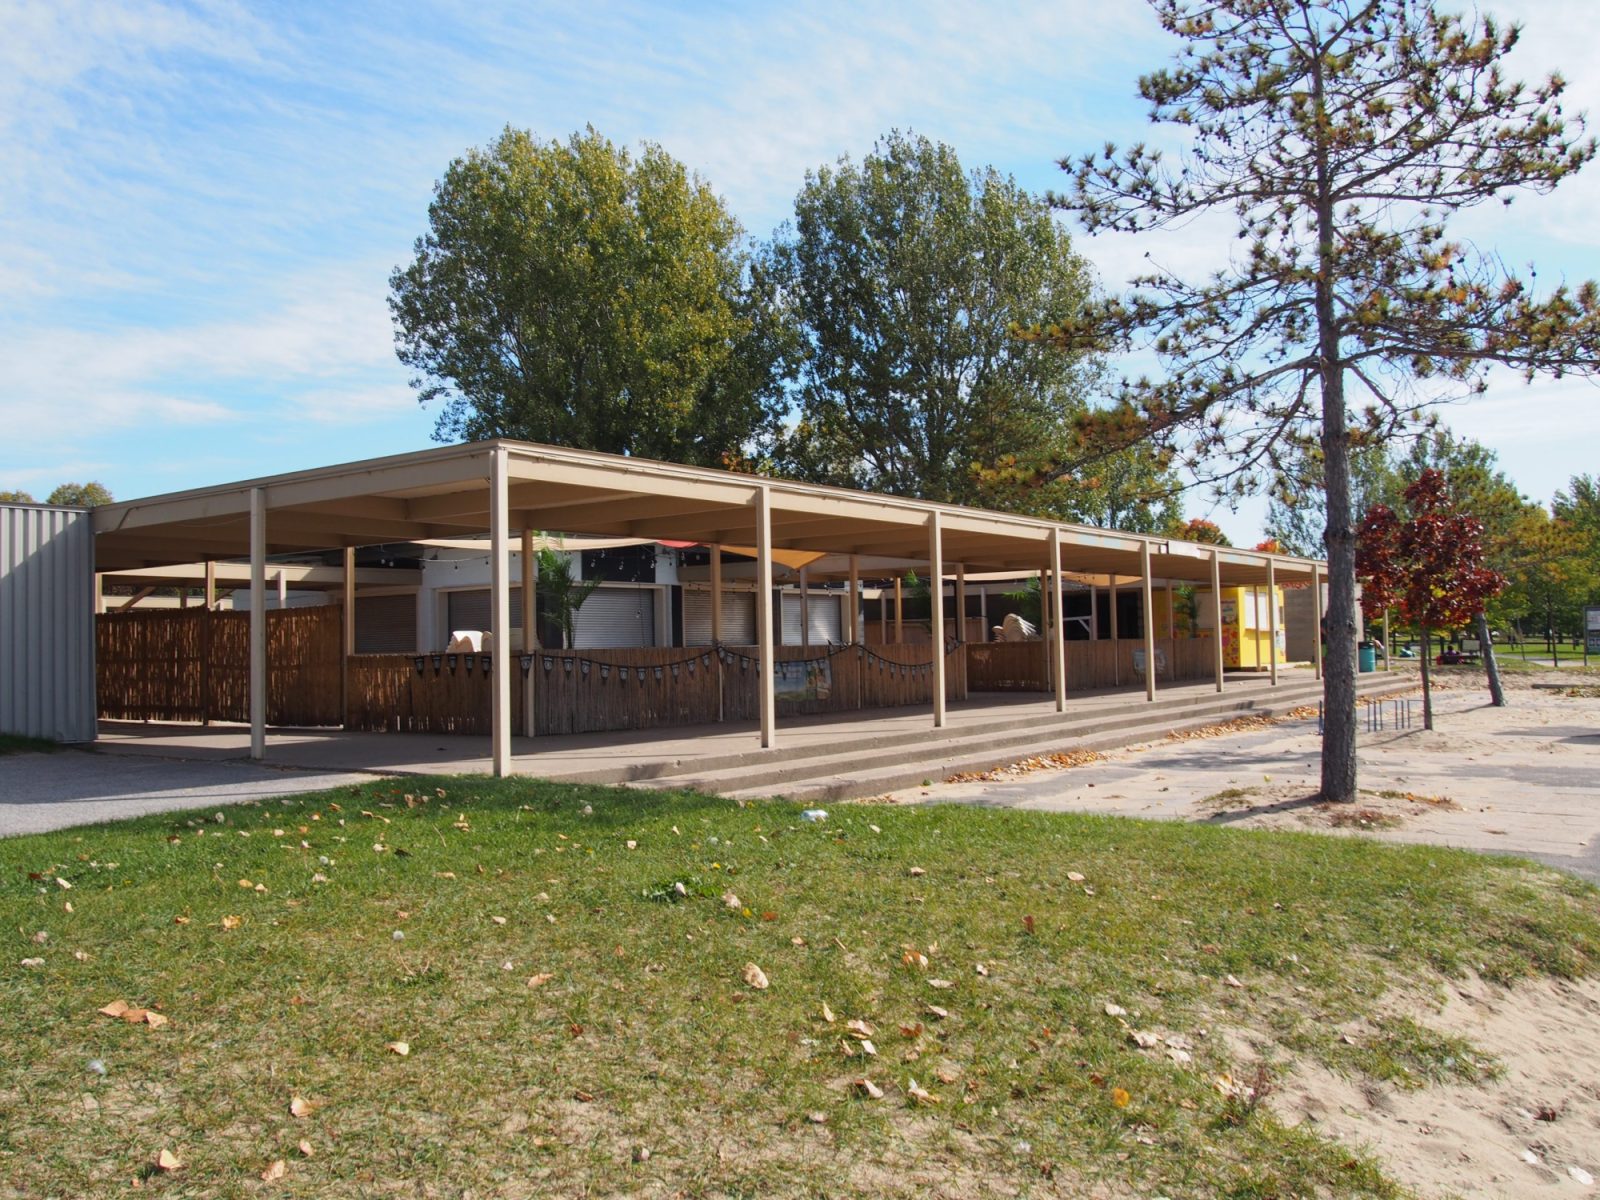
41 792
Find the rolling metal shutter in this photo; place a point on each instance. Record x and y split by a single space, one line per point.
738 617
386 625
616 617
470 610
823 611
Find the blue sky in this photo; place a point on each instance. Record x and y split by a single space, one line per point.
201 203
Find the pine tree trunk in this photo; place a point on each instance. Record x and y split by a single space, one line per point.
1497 693
1427 678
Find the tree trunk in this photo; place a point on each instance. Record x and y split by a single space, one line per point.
1497 693
1427 678
1339 663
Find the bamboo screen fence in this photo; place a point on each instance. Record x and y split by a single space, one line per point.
1022 666
194 665
592 691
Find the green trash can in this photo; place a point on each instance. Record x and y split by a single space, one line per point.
1367 657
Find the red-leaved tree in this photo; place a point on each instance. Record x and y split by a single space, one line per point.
1427 562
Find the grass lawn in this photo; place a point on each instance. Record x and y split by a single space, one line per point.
579 1024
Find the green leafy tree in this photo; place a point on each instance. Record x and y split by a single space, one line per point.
1198 529
1550 575
573 294
1296 508
1341 135
15 497
563 594
80 495
1428 561
1578 504
907 274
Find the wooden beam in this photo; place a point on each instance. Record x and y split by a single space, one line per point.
1058 608
349 633
530 631
1148 596
1272 620
258 623
1216 613
133 600
936 624
767 681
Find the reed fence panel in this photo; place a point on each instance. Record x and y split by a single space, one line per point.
194 665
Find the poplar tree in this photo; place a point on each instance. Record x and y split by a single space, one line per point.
1341 136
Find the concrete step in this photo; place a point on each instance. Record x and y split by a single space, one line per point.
996 739
857 731
860 768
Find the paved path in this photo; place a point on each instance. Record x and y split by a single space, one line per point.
40 792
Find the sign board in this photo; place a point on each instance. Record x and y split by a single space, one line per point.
803 679
1161 662
1591 629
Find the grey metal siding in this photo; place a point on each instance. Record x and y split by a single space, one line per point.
616 617
386 625
47 623
738 617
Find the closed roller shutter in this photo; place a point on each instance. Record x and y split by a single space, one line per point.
617 617
822 612
386 625
738 618
470 610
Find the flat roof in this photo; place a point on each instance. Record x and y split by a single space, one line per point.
444 493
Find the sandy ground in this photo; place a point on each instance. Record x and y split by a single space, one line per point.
1523 780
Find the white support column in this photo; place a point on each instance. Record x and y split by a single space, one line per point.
855 600
258 623
961 623
100 593
936 623
1044 628
1094 612
767 674
1316 631
1216 610
283 590
983 609
349 633
1056 601
899 610
1386 639
500 613
1172 614
1147 589
530 633
805 612
1272 620
211 584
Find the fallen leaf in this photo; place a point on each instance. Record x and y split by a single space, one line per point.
730 900
305 1149
934 1011
33 962
911 1031
154 1019
946 1075
755 976
860 1029
1182 1057
1027 923
980 968
539 980
1233 983
246 884
231 922
1116 1010
498 920
941 984
915 871
80 955
168 1161
115 1009
1120 1097
868 1048
275 1171
918 1093
400 1048
869 1089
1075 876
1144 1039
1582 1176
299 1106
583 1097
180 920
827 1013
817 1118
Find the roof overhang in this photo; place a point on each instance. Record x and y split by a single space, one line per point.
444 493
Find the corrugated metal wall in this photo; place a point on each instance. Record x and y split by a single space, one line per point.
47 623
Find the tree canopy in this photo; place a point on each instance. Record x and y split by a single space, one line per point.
1340 135
907 275
574 294
69 495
